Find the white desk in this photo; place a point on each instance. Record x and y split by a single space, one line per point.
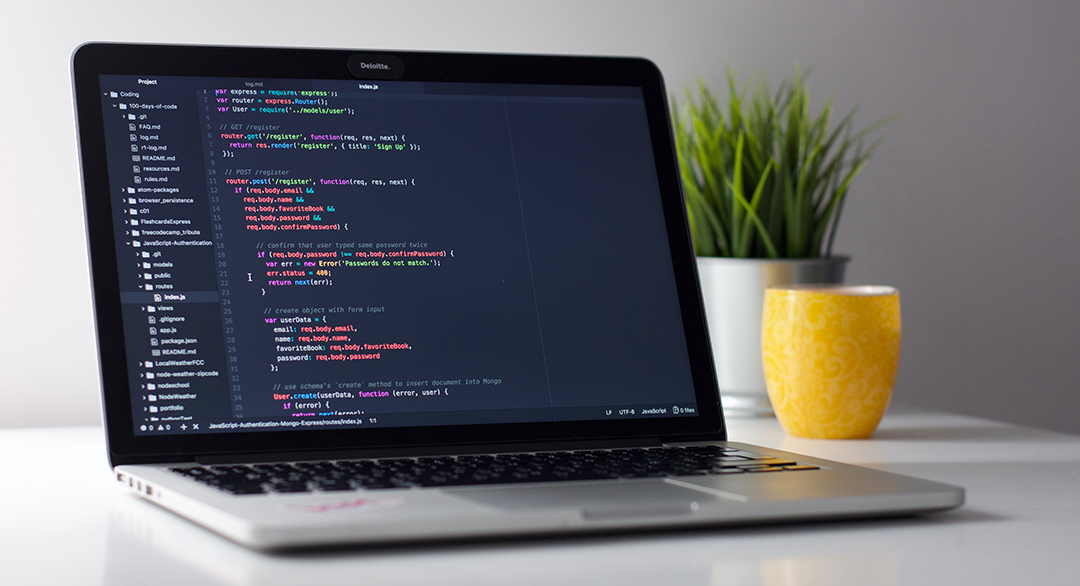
65 521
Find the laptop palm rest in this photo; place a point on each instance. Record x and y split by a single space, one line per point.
644 498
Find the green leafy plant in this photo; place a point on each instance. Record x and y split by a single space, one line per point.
764 178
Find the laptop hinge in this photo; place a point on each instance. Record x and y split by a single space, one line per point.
421 451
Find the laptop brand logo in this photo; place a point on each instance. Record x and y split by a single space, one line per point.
376 66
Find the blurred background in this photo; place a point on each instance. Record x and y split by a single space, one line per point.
971 206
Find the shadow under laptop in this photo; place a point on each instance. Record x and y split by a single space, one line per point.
146 545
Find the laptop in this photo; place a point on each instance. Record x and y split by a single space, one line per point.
377 296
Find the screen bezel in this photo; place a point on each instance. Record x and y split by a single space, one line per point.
91 60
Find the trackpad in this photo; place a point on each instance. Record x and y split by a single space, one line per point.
596 500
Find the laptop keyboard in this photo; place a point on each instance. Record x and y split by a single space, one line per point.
486 469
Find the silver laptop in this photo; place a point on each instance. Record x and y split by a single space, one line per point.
366 297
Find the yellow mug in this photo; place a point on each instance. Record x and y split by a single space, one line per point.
830 356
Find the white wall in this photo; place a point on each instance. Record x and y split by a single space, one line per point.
970 207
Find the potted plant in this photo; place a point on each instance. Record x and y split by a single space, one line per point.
765 184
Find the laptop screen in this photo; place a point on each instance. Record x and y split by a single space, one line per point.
291 253
313 254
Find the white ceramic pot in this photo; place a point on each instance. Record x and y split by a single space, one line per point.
734 292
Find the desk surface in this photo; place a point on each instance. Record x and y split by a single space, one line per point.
65 521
